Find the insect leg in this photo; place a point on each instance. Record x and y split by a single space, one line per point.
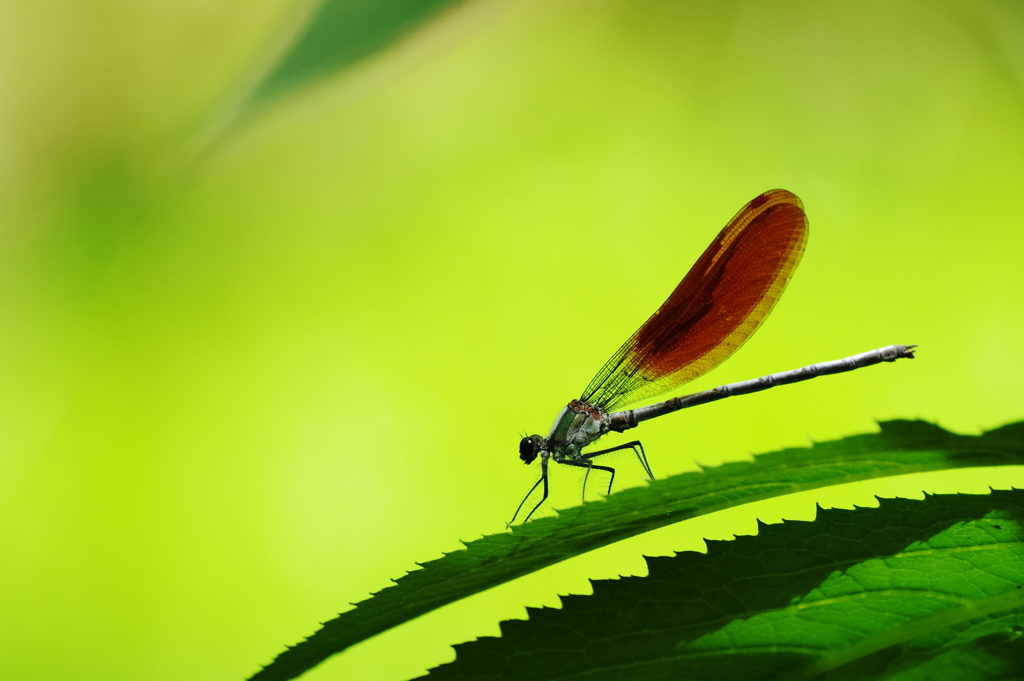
637 448
544 479
589 465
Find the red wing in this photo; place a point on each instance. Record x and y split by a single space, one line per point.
718 305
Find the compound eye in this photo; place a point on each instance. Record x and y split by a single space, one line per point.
528 448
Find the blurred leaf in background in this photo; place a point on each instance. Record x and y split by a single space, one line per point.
340 33
245 387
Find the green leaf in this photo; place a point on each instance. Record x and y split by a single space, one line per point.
340 34
901 447
910 590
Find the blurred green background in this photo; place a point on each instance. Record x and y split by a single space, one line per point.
257 360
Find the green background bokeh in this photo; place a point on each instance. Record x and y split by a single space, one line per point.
249 375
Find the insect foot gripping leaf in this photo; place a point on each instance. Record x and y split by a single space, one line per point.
930 589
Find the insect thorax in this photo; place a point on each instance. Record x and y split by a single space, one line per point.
578 425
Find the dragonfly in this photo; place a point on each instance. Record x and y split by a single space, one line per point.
717 306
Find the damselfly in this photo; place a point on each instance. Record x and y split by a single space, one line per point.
718 305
